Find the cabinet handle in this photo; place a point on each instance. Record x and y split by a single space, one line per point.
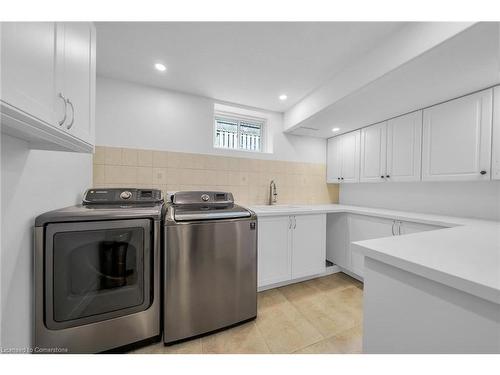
392 229
338 178
70 125
387 176
289 222
65 108
341 178
294 222
483 172
381 176
399 227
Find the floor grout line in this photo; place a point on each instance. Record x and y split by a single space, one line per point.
263 337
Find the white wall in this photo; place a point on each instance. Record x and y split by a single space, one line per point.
469 199
33 182
138 116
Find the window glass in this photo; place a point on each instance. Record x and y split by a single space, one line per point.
238 134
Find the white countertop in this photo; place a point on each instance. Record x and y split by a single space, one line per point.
465 255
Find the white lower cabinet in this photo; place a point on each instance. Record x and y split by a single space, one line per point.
274 256
293 247
308 245
495 152
344 229
408 227
290 247
366 228
337 239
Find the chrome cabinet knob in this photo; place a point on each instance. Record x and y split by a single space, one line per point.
205 197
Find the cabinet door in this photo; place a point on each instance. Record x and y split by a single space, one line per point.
274 257
495 158
365 228
308 245
28 69
408 227
333 165
404 151
373 153
457 139
350 157
337 239
76 67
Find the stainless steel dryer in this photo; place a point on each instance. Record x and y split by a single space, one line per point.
210 264
97 272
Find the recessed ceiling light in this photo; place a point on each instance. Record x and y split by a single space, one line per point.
160 67
335 129
283 97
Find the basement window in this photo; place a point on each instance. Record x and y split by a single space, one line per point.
232 132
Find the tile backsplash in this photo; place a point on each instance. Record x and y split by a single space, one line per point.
247 179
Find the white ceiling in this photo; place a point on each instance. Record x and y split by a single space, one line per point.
468 62
246 63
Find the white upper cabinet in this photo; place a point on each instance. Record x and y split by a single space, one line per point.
457 139
373 153
48 84
343 158
404 147
495 158
76 76
334 162
27 68
391 150
350 157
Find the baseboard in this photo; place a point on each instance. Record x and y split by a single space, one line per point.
329 271
352 274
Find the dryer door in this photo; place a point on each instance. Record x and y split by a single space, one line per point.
96 271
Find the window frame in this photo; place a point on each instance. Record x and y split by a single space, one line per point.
236 117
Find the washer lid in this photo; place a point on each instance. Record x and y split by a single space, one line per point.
197 213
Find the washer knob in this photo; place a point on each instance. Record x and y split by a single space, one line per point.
205 198
125 194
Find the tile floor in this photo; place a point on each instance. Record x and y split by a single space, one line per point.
323 315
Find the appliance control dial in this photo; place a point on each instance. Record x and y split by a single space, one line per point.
205 197
125 194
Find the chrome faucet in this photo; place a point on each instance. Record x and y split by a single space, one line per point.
273 193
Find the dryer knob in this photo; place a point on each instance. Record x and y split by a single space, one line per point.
125 194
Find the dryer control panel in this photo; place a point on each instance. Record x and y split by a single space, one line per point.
121 196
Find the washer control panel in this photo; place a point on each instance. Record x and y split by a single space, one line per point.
209 198
118 195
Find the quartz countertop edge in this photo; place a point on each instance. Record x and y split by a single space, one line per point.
464 255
